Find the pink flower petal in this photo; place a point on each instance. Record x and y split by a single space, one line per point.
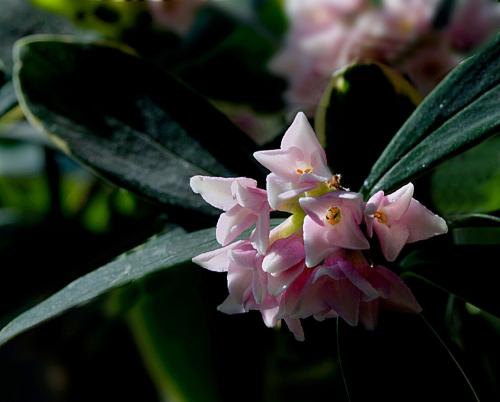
217 190
232 223
399 202
278 284
400 296
391 239
301 135
295 327
368 314
422 223
283 162
284 254
343 297
217 260
282 194
262 228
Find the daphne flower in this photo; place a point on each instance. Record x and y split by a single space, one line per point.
398 219
244 205
332 222
298 166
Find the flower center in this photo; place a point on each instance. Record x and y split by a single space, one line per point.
306 170
381 217
333 215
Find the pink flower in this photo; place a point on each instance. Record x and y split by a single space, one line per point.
247 282
399 219
345 286
298 166
473 23
176 15
244 205
332 222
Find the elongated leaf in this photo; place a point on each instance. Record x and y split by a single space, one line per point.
130 122
468 271
355 124
469 182
171 325
466 90
165 251
474 123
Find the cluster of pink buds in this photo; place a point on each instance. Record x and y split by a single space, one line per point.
317 261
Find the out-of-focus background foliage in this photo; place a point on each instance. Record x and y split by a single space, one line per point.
161 338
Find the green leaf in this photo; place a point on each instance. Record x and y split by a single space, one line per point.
170 323
469 182
21 18
168 250
8 99
351 119
459 113
466 270
130 122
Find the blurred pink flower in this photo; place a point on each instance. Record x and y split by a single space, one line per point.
398 219
244 205
325 36
175 15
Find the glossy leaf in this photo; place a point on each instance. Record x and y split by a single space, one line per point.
352 120
168 250
466 270
469 182
130 122
460 112
170 322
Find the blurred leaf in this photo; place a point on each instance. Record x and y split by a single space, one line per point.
8 99
168 250
171 328
468 271
465 220
476 235
130 122
271 14
459 113
110 18
21 18
360 111
469 182
234 55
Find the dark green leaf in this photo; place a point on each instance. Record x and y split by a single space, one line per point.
459 113
469 182
132 123
468 271
361 110
168 250
226 59
476 235
474 123
21 18
170 323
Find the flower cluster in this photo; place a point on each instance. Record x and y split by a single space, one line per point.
317 261
326 35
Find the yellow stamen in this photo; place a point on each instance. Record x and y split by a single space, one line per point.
306 170
381 217
333 216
